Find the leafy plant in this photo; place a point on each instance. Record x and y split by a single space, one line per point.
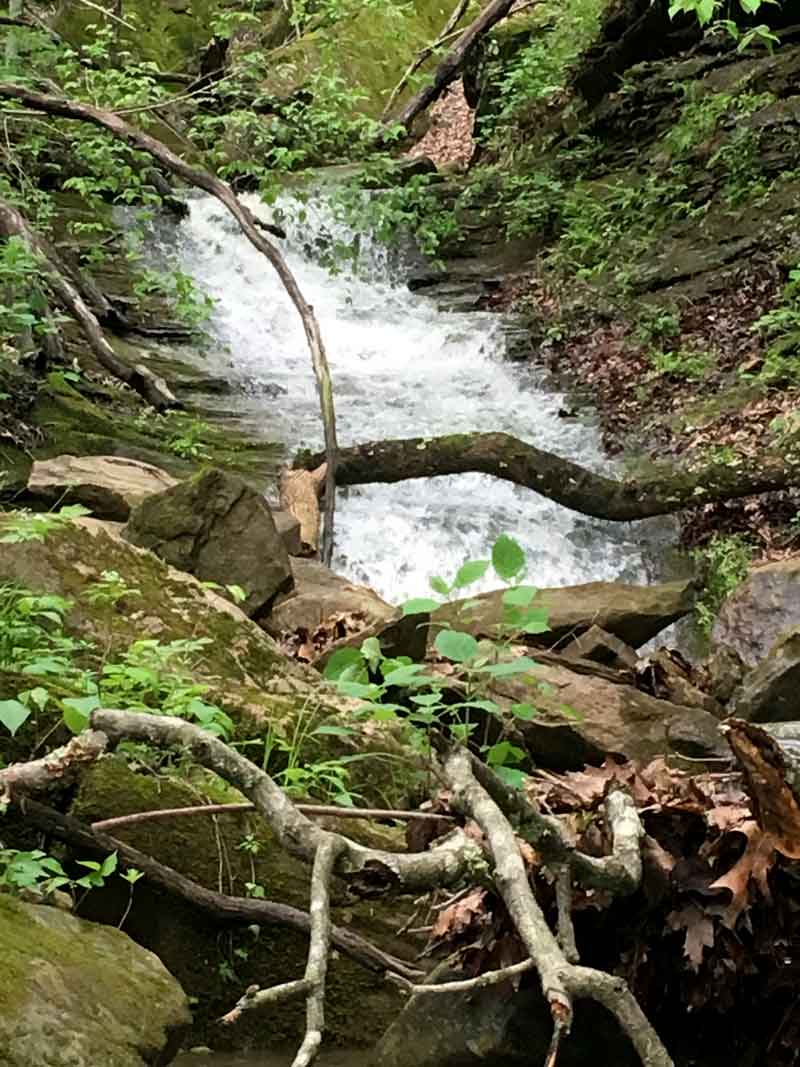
24 525
724 563
686 363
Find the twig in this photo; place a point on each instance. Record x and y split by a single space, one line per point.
555 1044
566 929
318 949
233 809
255 998
466 985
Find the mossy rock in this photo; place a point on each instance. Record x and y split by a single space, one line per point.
77 994
216 963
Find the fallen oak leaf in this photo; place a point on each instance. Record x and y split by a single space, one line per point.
754 863
699 932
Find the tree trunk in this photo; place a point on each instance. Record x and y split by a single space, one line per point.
559 479
453 63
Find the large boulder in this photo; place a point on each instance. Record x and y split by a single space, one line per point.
318 595
108 485
216 527
634 613
583 718
763 607
75 994
771 691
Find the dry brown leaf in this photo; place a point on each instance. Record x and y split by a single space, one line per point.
699 932
755 862
776 807
458 917
726 817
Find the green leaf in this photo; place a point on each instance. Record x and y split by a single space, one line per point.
509 668
109 865
455 646
340 661
426 700
520 596
410 675
439 585
420 605
334 731
511 776
39 696
503 752
508 558
13 714
526 712
360 690
371 651
470 572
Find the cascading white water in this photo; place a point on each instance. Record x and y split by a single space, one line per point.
400 367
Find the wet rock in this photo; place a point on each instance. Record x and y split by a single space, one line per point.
582 719
601 647
217 528
72 994
724 672
485 1027
318 594
633 613
763 607
669 676
108 485
771 692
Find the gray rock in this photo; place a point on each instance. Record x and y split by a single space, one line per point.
289 529
490 1027
634 613
108 485
217 528
582 718
696 735
763 607
76 994
599 646
771 692
318 594
724 671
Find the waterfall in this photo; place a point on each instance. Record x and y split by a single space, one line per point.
401 366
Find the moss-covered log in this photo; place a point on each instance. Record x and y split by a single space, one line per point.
559 479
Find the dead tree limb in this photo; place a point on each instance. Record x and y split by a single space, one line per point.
58 767
255 998
424 54
559 479
560 980
367 868
299 494
453 63
148 385
214 186
220 908
318 949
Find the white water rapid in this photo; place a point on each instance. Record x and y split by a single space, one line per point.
400 367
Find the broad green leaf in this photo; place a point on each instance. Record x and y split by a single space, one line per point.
427 700
340 661
509 668
360 690
526 712
109 865
508 558
420 605
439 585
503 752
409 675
455 646
481 705
334 731
470 572
13 714
511 776
371 651
520 596
39 696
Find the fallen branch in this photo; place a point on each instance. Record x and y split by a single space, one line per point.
61 767
148 385
453 63
561 480
318 949
223 909
255 998
424 54
560 980
217 188
299 495
315 810
468 985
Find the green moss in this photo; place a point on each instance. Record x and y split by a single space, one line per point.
216 964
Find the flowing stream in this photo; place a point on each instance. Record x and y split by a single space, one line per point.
401 366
